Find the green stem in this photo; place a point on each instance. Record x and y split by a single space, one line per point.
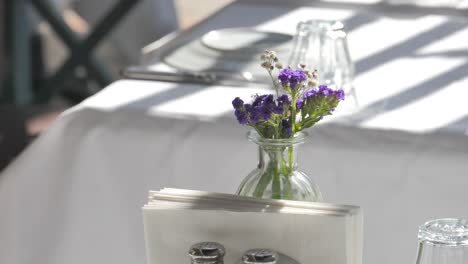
262 184
258 131
293 115
276 188
288 188
293 128
285 168
290 157
266 175
278 173
288 194
274 83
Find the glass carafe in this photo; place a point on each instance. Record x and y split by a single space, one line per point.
443 241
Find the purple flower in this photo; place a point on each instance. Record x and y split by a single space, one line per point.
262 99
285 75
248 107
306 95
241 116
237 103
261 109
299 104
254 116
339 94
321 101
283 99
268 98
269 103
324 90
309 93
298 76
258 99
283 104
291 77
287 128
265 113
264 106
278 110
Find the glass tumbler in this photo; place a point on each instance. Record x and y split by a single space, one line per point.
309 39
443 241
323 45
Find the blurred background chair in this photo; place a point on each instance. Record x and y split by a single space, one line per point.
83 27
55 53
13 136
2 44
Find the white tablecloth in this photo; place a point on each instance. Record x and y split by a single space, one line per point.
74 196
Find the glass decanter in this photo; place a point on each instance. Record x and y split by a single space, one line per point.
277 175
443 241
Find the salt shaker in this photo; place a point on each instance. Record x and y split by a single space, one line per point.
207 253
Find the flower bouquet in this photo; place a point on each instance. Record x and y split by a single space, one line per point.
278 121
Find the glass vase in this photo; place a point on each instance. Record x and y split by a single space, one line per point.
277 175
443 241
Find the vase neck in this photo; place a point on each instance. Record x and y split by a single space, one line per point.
277 156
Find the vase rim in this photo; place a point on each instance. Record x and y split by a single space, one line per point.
299 138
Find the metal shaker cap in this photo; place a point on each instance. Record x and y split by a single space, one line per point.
260 255
207 252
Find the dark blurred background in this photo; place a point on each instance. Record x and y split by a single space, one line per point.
39 37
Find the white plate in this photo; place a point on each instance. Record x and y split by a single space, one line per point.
243 39
234 50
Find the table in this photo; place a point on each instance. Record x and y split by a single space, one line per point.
75 194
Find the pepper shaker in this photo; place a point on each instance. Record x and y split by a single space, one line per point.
260 256
207 253
266 256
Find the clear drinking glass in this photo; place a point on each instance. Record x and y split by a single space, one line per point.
309 38
443 241
323 45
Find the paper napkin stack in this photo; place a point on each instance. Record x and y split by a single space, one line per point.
322 233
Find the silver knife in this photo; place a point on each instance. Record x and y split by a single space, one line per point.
222 78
